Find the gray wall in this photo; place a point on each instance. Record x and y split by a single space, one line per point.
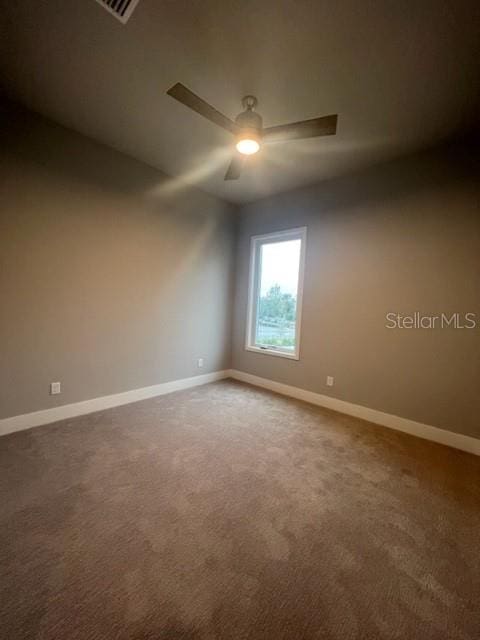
403 237
112 277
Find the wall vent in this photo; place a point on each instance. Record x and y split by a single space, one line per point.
121 9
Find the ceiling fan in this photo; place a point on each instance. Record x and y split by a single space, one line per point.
248 126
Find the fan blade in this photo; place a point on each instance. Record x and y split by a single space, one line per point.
324 126
192 101
235 168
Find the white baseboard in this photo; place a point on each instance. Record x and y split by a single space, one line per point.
425 431
37 418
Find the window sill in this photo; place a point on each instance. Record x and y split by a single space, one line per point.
274 352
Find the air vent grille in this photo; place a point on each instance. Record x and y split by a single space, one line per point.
121 9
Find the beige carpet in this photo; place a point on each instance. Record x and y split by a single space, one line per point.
230 512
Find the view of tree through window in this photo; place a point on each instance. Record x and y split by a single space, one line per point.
277 294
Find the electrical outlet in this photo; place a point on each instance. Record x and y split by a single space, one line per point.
55 388
200 363
330 381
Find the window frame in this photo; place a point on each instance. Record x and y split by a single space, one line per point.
256 242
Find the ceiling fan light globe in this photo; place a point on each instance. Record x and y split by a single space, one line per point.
248 146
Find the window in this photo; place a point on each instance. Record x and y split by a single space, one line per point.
275 293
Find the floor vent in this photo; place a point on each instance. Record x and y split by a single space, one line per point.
121 9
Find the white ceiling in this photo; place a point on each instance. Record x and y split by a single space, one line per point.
400 74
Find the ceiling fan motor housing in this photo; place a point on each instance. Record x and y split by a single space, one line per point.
250 125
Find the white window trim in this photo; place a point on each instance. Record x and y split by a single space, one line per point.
256 242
